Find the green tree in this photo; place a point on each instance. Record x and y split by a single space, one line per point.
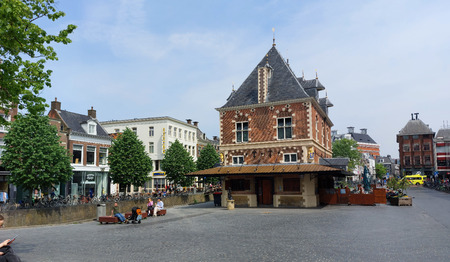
380 169
129 164
34 155
24 49
207 159
177 163
347 148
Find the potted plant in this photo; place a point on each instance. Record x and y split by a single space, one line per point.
399 186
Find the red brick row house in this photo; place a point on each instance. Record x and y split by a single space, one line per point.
88 143
273 130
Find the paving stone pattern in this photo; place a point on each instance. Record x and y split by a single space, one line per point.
206 233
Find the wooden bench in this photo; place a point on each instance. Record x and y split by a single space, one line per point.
108 219
161 212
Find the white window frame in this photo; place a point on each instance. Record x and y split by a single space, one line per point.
240 131
95 155
151 131
106 156
284 127
290 156
239 160
80 162
151 147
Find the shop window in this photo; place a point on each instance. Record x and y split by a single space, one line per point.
291 184
290 157
284 128
441 163
103 154
238 160
242 132
90 155
77 154
238 184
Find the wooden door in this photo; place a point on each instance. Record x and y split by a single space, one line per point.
265 191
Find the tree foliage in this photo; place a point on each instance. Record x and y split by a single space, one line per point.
177 163
128 162
208 159
381 170
347 148
34 155
24 49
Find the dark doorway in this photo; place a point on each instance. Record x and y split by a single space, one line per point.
264 188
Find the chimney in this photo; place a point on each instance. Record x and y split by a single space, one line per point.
56 105
92 113
189 121
417 115
351 129
264 74
195 123
364 131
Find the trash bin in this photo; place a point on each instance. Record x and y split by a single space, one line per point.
101 210
217 198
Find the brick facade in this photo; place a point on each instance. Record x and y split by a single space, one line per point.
310 131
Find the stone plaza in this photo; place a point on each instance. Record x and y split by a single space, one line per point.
203 232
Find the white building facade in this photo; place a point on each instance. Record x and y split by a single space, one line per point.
157 134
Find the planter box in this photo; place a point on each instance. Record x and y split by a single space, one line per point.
402 201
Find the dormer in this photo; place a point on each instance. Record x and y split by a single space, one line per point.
90 127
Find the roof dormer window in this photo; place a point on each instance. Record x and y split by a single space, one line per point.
91 129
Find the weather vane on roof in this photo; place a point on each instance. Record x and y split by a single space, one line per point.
273 30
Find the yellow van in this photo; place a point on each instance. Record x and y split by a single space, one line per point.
416 179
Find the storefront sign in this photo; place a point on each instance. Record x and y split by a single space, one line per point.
90 177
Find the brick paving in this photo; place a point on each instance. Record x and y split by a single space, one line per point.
206 233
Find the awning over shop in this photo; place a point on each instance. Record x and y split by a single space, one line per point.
270 169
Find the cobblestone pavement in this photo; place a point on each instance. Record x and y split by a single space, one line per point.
206 233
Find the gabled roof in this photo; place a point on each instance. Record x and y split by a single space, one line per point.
74 121
415 127
283 85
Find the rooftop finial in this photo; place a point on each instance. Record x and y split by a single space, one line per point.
317 77
273 30
303 74
232 86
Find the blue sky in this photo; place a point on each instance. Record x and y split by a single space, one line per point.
380 61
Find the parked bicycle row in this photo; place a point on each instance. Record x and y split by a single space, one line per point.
440 185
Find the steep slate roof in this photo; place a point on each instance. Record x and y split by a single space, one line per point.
283 85
444 133
415 127
313 83
363 138
74 121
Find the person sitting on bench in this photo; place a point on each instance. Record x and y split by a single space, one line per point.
159 206
115 212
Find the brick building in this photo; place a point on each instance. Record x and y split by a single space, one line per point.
273 131
416 151
88 143
442 145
